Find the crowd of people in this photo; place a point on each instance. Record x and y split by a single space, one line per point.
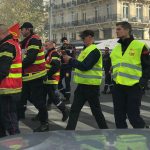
31 71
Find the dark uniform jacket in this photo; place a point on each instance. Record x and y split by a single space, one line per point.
69 50
31 53
106 62
55 63
6 60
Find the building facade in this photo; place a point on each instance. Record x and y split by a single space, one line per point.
70 17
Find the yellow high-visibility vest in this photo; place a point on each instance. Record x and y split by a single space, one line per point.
92 76
127 69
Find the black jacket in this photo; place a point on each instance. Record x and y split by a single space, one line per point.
6 60
69 50
106 62
31 53
55 63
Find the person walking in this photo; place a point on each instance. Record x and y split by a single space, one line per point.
51 80
131 70
66 69
88 76
10 82
107 69
33 72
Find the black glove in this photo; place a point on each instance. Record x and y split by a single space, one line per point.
143 83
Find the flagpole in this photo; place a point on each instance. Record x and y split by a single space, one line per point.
50 19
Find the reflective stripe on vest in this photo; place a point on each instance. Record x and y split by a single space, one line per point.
13 82
92 76
55 77
37 69
127 69
32 76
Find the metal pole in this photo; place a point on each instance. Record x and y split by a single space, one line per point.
50 19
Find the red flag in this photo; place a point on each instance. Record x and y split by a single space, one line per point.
15 30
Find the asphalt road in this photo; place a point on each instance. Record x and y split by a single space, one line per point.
86 120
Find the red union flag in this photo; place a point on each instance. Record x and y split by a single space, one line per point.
15 30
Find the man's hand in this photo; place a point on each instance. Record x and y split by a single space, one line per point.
143 83
66 58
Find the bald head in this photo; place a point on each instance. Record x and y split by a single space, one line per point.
3 31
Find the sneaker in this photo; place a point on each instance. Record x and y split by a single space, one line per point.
65 115
147 126
35 118
42 128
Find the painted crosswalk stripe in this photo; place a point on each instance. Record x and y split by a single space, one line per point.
143 112
108 117
146 104
55 117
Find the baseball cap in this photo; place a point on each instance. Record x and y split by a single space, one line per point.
26 25
86 33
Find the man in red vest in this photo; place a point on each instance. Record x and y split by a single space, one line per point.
10 82
34 70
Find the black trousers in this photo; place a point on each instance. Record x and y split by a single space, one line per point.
8 114
84 93
108 81
53 95
65 73
127 102
33 91
108 78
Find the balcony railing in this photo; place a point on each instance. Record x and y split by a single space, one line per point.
101 19
73 3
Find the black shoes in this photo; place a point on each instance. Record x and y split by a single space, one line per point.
42 128
147 126
49 107
104 92
65 115
35 118
21 116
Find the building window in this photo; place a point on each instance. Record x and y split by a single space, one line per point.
96 13
76 17
73 36
63 35
54 20
138 33
54 37
107 33
125 10
62 18
84 17
72 16
139 11
108 10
